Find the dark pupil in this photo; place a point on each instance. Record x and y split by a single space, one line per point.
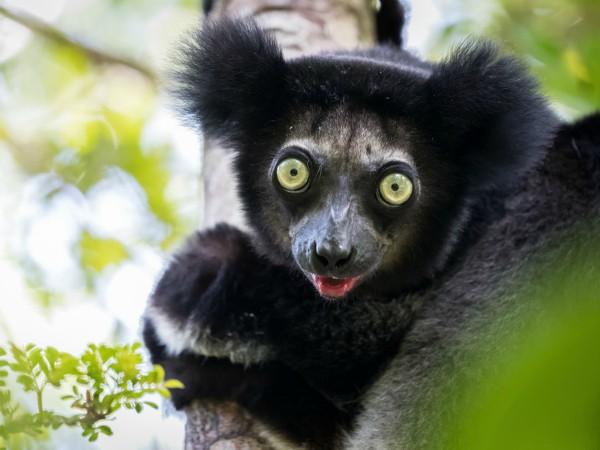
395 187
294 172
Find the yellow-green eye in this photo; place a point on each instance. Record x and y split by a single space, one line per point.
395 189
292 174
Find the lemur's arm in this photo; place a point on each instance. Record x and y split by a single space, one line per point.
217 322
217 298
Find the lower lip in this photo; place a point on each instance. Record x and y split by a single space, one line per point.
333 287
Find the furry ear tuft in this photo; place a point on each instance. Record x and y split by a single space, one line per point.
487 109
229 79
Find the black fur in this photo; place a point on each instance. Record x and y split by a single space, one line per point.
235 318
477 117
273 392
547 220
240 296
234 81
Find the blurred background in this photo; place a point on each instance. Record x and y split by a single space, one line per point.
99 183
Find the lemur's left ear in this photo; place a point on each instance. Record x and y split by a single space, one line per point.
486 110
230 79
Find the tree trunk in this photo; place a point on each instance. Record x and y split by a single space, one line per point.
301 27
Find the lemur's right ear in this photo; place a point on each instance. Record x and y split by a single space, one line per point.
230 79
486 109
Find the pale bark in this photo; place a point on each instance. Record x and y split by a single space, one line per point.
302 27
221 426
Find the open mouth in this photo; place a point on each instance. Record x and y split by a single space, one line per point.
333 287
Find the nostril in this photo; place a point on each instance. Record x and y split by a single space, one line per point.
322 260
317 254
343 261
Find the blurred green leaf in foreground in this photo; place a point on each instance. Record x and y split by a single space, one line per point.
534 383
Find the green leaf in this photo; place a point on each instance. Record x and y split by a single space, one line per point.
19 368
107 352
173 384
107 401
164 392
575 66
105 430
51 355
35 355
127 363
27 382
65 364
99 253
111 376
17 352
21 361
159 373
45 368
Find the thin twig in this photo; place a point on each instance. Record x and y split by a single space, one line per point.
99 56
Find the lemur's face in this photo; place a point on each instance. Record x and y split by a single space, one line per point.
346 199
360 171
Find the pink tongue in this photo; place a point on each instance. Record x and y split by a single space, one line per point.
334 287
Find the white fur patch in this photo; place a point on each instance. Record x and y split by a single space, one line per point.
186 336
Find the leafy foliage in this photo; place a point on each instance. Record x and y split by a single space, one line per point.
561 38
558 37
95 385
77 129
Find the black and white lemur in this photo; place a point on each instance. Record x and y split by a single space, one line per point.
397 207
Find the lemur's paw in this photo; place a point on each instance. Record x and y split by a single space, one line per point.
199 305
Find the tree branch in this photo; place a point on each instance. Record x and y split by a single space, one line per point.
96 55
221 426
